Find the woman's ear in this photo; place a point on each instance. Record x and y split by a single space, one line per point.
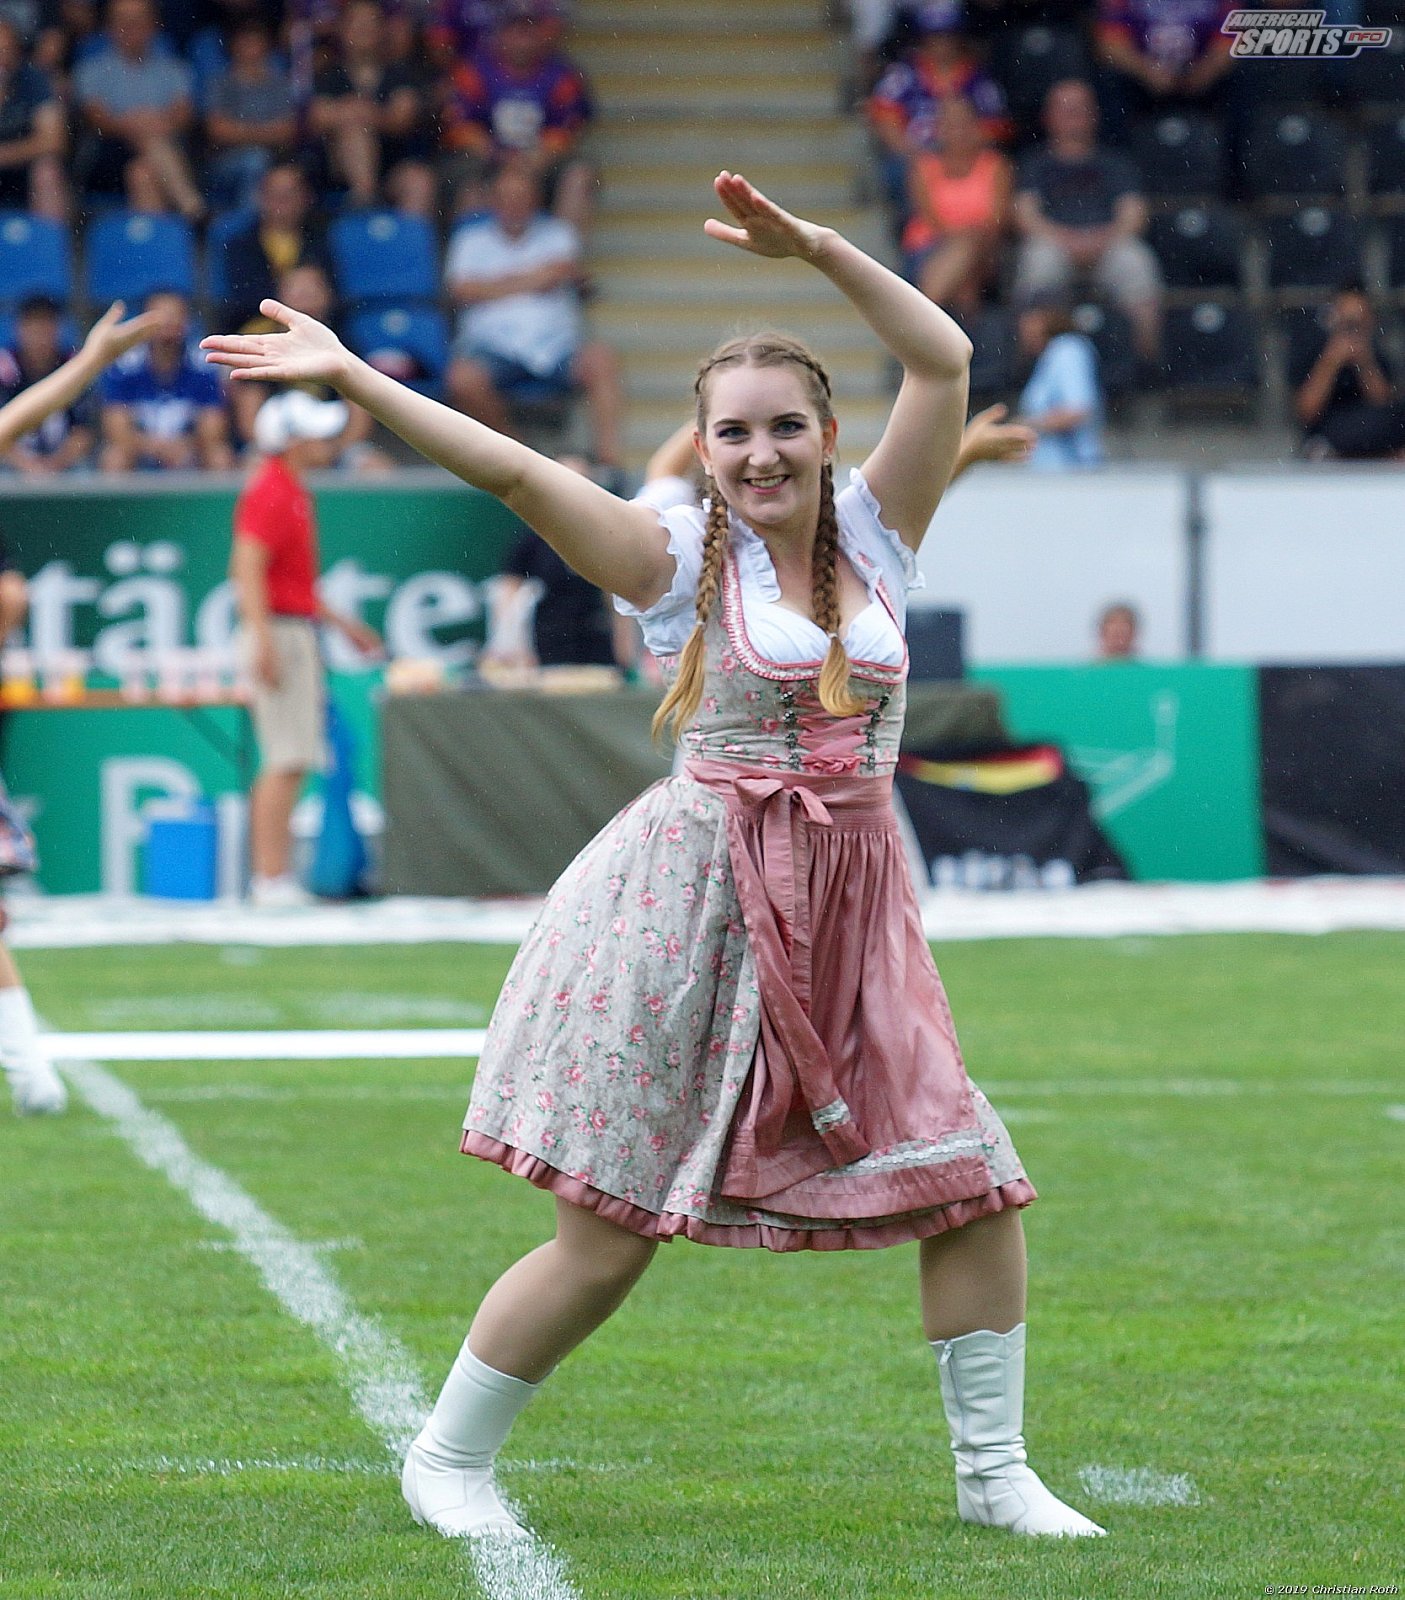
700 450
829 432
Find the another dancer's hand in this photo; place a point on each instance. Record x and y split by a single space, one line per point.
307 353
110 337
763 228
988 437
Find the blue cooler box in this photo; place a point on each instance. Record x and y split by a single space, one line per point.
182 851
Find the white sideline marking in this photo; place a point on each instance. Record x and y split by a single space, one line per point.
292 1044
343 1466
1190 1087
1138 1486
377 1369
1395 1113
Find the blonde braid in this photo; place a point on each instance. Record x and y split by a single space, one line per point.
680 704
835 695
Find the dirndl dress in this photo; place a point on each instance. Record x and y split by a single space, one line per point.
726 1022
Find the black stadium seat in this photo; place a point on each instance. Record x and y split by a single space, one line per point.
1312 248
1294 153
1179 153
1111 334
1394 230
1198 246
1212 355
1026 62
1385 155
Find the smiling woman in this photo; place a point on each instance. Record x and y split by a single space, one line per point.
726 1024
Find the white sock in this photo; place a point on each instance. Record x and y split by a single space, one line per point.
473 1414
36 1085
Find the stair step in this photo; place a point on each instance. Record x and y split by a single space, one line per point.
683 328
779 56
741 142
679 96
621 196
678 236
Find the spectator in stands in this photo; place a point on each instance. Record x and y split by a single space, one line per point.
1062 400
273 567
251 121
68 28
903 108
1118 627
369 113
960 202
1346 394
284 234
137 107
161 409
1081 215
64 439
32 134
457 30
520 100
1160 56
515 276
308 289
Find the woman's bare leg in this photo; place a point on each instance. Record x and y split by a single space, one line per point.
559 1294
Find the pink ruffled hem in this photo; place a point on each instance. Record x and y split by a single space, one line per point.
751 1236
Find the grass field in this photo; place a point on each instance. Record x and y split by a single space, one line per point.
1216 1272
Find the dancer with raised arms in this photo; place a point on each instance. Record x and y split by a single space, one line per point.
726 1024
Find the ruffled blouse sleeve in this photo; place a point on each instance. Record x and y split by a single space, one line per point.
857 509
667 623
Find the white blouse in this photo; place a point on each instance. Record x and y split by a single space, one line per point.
780 635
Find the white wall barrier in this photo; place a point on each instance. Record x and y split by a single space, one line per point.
1281 564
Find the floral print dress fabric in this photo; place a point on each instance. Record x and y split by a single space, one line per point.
726 1023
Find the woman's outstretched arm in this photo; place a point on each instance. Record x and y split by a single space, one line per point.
619 546
912 463
108 338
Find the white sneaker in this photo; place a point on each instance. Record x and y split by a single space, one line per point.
278 894
459 1502
39 1092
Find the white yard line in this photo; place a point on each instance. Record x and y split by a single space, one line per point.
1138 1486
1095 911
378 1371
282 1044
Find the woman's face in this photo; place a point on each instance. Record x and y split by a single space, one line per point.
764 443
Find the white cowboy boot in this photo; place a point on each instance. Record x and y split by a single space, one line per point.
982 1377
448 1476
37 1088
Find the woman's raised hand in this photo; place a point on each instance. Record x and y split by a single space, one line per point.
762 227
110 337
308 352
988 437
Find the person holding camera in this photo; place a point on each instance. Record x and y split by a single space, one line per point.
1344 392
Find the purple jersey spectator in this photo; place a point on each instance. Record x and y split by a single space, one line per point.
457 28
495 107
1173 33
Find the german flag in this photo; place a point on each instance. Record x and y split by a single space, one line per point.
1000 772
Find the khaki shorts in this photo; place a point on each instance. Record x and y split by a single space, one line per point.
289 721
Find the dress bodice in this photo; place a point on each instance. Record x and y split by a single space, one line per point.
765 714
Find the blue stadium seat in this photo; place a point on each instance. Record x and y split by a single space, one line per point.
223 228
381 255
1198 246
1211 356
1179 153
1294 153
35 258
131 253
418 331
1313 248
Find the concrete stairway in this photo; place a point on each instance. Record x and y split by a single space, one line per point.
683 90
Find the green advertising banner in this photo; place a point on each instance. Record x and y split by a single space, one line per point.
1171 754
139 567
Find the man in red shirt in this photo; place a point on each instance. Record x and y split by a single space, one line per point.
274 570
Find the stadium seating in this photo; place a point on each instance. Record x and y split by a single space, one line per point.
1111 334
35 258
1027 61
1385 155
1179 154
994 361
417 331
223 228
384 256
1394 232
1290 154
131 253
1199 246
1312 249
1211 357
